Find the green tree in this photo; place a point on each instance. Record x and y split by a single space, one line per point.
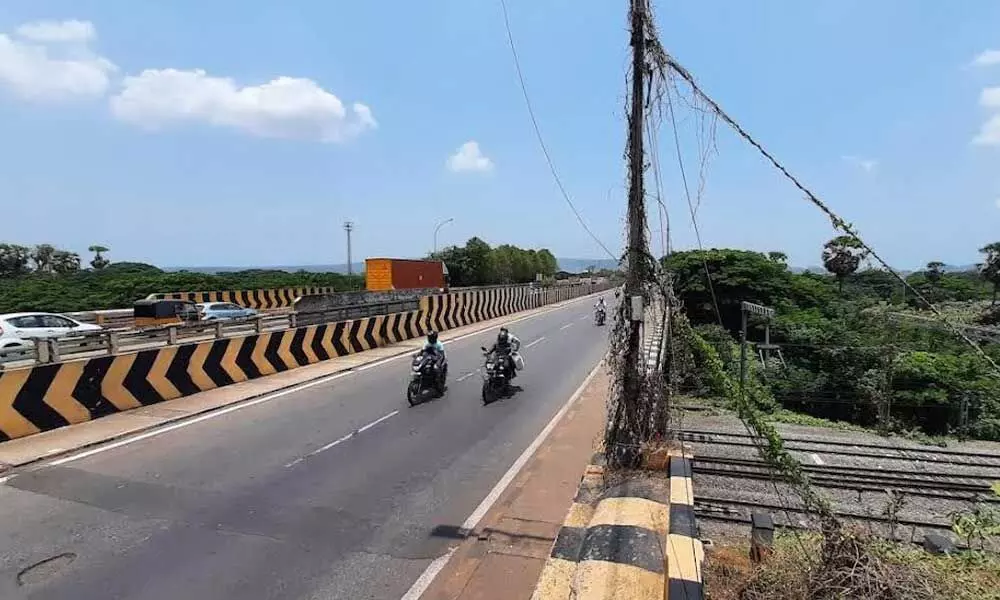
842 256
99 262
778 257
64 262
547 263
990 269
934 272
41 257
14 260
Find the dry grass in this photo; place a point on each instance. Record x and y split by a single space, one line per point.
852 567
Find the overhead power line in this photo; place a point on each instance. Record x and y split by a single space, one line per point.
541 140
836 220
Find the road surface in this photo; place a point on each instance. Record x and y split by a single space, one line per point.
338 491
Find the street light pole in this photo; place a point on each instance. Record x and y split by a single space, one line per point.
349 227
436 229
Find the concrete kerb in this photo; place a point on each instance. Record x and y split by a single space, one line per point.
405 348
634 538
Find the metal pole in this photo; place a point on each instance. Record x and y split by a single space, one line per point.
349 227
436 229
743 354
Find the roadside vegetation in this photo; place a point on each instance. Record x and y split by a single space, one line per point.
45 278
855 348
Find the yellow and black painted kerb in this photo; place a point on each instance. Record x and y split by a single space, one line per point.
619 553
46 397
51 396
263 299
685 551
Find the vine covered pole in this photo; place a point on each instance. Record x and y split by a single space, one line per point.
625 435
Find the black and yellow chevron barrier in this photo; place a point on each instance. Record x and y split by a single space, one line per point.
263 299
45 397
448 311
51 396
636 539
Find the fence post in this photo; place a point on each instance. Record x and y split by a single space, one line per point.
53 345
218 329
172 335
112 341
259 324
42 351
293 321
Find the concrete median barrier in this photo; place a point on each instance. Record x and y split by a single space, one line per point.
260 299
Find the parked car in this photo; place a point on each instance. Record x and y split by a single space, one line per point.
18 329
219 311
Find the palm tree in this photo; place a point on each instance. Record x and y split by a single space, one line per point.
99 262
842 256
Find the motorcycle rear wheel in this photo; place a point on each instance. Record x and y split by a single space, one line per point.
411 394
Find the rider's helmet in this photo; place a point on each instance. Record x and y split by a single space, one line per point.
502 336
432 337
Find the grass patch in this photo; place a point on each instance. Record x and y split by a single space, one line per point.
854 567
789 417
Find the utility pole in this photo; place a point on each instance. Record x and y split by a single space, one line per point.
626 431
349 227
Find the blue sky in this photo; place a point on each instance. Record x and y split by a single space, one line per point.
141 127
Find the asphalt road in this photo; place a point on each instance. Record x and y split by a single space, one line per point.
266 503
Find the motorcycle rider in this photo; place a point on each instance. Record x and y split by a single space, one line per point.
600 307
504 348
436 349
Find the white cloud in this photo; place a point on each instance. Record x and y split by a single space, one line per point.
987 59
989 134
58 31
866 164
990 97
285 107
469 158
35 69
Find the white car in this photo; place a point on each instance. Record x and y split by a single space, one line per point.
18 329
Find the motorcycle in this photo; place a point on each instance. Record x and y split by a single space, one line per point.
426 375
599 316
496 379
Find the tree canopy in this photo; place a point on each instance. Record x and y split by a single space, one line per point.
477 263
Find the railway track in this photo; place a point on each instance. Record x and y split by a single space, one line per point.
858 449
928 484
738 511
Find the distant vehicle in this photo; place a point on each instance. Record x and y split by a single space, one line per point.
154 313
224 311
17 330
383 274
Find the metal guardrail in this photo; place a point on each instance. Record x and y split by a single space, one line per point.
114 341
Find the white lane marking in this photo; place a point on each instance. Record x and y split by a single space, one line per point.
5 479
274 395
427 577
343 438
467 375
584 317
539 340
432 571
566 326
816 458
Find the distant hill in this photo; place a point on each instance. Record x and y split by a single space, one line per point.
579 265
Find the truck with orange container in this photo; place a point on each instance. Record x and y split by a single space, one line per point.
382 274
